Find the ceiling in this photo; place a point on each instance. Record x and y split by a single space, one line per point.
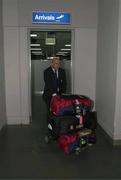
46 44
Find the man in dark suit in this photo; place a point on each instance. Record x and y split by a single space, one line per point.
55 83
55 80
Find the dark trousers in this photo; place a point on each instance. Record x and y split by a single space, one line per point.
48 113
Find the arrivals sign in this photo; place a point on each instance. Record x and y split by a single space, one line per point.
51 17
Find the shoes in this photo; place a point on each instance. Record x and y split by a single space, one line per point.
48 138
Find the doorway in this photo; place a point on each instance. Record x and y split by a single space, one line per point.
44 45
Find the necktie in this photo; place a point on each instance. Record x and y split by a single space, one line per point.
56 74
56 81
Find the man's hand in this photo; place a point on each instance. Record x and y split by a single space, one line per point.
54 94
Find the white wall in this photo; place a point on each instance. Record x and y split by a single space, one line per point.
85 63
107 65
2 81
16 75
17 16
83 11
117 122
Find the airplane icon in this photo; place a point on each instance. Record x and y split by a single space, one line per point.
60 17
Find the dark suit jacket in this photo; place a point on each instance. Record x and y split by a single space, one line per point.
49 82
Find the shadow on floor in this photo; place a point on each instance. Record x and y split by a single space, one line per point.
25 155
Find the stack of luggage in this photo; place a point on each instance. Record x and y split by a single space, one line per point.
73 122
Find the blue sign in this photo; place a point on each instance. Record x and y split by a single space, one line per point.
51 17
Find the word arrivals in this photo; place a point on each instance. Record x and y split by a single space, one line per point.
51 17
43 17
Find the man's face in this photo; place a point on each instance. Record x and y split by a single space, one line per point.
56 63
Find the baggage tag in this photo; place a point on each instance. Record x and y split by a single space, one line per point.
81 120
84 112
77 106
71 127
80 117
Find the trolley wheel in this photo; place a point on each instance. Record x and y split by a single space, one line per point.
77 151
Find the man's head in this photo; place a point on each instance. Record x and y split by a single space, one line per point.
55 63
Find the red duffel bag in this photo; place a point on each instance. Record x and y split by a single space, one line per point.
69 143
66 104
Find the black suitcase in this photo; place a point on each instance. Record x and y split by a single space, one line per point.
59 125
90 120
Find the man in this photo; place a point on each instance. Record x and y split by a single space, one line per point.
55 80
55 84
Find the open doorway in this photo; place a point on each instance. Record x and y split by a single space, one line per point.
44 45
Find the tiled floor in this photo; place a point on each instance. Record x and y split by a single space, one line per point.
25 155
